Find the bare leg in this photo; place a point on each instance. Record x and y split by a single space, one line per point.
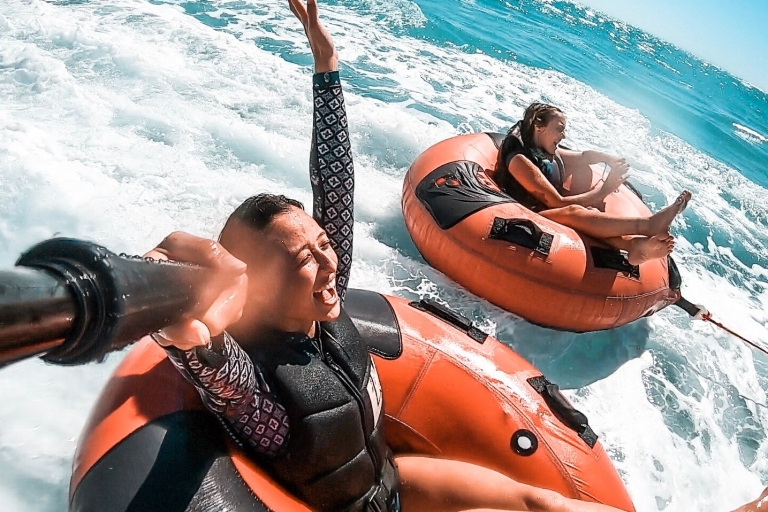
440 485
595 223
760 503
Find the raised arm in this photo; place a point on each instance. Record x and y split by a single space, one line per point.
331 168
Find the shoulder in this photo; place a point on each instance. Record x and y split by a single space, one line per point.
520 160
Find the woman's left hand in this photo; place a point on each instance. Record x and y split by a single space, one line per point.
320 41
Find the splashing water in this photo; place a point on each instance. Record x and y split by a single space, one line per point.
121 121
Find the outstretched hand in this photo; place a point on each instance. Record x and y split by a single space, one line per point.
616 177
223 290
320 41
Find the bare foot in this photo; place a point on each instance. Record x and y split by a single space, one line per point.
660 221
759 504
646 248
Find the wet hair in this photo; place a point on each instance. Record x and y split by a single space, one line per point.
258 211
537 114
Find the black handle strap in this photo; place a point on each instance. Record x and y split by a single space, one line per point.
573 418
605 257
456 319
523 232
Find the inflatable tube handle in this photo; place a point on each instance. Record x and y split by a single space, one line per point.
570 416
522 232
457 320
118 299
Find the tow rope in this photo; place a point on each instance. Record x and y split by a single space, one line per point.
699 312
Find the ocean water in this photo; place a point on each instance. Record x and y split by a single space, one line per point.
122 120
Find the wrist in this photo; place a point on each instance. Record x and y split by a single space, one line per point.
327 65
600 157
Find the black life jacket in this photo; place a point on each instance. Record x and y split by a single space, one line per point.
336 458
512 146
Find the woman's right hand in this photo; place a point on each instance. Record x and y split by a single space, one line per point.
221 294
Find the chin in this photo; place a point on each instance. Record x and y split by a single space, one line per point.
333 314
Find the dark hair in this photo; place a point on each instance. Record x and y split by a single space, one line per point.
259 210
537 114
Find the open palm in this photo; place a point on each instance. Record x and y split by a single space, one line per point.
319 40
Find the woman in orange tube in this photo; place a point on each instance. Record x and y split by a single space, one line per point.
530 170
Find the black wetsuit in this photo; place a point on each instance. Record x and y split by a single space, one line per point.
512 146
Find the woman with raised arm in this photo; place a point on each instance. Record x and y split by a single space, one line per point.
532 169
290 378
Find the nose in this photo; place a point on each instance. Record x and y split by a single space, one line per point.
327 261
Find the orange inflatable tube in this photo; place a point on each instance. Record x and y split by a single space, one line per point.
547 273
449 391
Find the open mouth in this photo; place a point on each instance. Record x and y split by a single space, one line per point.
327 295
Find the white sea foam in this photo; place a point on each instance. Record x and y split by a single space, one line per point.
121 121
748 134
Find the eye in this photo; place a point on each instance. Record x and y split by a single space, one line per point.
325 244
303 258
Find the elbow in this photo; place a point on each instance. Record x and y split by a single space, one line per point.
555 201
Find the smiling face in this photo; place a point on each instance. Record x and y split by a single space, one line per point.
291 274
548 136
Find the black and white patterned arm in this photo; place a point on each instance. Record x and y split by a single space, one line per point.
332 172
233 388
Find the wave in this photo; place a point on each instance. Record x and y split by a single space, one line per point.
749 134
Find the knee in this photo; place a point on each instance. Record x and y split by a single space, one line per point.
544 500
570 211
575 209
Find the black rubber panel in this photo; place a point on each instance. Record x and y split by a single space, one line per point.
177 463
522 232
605 257
633 189
452 192
497 138
376 322
446 314
675 279
572 418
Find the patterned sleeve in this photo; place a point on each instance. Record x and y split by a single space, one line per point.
332 173
233 388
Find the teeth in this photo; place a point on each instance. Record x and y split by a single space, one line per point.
328 294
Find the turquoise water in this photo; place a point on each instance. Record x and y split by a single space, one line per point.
122 120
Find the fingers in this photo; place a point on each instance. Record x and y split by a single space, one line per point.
181 246
156 254
227 307
184 335
221 291
298 10
312 11
620 169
